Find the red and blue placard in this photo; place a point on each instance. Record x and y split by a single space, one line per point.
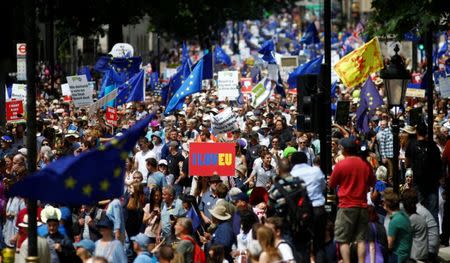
205 159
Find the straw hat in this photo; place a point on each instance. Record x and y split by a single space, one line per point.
409 129
220 212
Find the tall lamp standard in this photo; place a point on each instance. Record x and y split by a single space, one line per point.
396 79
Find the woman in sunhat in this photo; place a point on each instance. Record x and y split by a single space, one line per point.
107 246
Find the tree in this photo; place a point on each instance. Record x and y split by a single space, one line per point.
399 17
201 19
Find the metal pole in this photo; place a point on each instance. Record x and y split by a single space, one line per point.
395 132
325 141
158 54
414 55
30 34
429 80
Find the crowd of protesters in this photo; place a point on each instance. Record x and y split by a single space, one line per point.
239 216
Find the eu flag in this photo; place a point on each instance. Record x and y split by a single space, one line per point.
195 218
84 179
221 57
310 67
116 70
370 99
207 65
84 70
266 50
185 54
154 80
311 36
190 86
131 90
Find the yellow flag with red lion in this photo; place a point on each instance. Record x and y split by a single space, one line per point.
356 66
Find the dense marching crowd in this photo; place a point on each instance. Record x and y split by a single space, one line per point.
240 219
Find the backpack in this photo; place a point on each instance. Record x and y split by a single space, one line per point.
199 254
291 202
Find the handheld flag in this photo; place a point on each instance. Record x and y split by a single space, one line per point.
221 57
190 86
266 50
195 218
185 54
84 179
310 67
207 65
131 90
311 36
84 70
370 99
356 66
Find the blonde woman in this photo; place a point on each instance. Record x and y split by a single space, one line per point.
266 238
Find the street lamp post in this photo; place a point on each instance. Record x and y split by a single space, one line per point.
396 79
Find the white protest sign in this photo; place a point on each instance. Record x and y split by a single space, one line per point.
228 85
444 87
19 92
261 92
273 71
224 122
80 91
65 89
122 50
415 93
169 72
101 102
334 59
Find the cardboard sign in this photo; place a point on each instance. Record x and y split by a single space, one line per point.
228 85
415 93
289 61
205 159
80 91
19 92
246 85
14 110
65 91
101 102
111 116
224 122
261 92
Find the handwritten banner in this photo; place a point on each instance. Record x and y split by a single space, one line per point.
111 116
224 122
206 159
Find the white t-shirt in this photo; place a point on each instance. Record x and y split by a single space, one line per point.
140 158
285 251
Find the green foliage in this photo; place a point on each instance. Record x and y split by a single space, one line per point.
398 17
195 19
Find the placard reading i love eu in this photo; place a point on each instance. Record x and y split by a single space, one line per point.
205 159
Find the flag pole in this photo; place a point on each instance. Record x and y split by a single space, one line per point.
30 33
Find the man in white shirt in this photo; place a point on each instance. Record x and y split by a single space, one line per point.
141 156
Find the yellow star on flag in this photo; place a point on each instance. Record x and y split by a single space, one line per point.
102 147
104 185
124 156
117 172
70 182
87 190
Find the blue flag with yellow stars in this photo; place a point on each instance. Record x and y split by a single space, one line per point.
131 90
84 179
190 86
370 99
310 67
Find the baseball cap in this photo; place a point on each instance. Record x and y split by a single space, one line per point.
142 240
87 244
